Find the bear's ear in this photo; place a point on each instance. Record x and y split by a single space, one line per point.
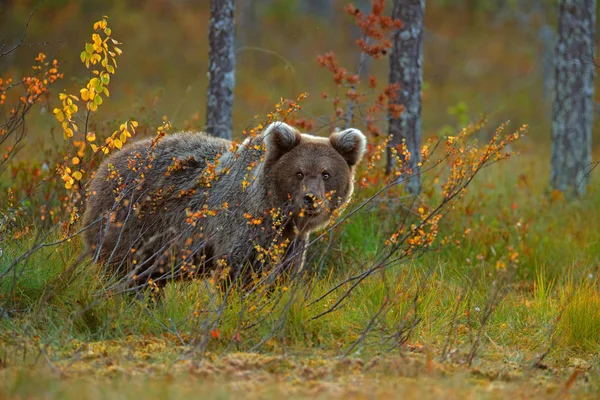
280 138
350 143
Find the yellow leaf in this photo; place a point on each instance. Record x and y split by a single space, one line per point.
85 94
59 115
77 175
91 136
94 148
134 123
118 144
75 160
105 150
123 126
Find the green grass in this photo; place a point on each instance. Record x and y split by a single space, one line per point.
550 304
48 300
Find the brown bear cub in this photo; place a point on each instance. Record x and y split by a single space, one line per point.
193 204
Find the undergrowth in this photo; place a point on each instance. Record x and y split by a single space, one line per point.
554 292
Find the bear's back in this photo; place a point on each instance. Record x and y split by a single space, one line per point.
151 173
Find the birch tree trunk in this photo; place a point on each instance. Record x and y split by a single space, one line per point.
221 69
573 102
406 69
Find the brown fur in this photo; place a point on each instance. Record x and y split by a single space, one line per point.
181 204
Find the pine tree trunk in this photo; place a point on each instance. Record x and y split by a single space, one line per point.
406 69
573 102
221 69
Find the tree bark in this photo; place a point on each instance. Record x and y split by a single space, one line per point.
573 102
406 69
221 69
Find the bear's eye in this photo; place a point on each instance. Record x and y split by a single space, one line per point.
299 175
325 175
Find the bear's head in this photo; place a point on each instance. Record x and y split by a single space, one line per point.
311 176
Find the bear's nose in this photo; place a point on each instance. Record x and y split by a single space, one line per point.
310 201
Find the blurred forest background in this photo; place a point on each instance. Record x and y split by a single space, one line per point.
481 57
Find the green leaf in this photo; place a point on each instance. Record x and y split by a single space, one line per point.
98 100
89 48
110 69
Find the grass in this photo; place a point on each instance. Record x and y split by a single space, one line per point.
552 304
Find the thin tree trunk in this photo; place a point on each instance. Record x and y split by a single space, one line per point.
249 27
221 69
547 36
321 8
406 69
573 102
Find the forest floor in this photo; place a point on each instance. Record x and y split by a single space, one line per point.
160 368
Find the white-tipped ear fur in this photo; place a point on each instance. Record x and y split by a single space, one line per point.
281 135
350 143
280 138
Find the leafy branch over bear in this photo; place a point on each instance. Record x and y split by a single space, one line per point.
153 214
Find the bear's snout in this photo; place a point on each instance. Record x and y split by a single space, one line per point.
311 202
